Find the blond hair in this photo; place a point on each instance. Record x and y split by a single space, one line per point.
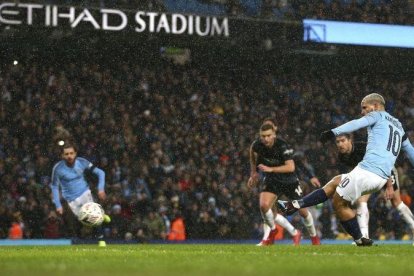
374 98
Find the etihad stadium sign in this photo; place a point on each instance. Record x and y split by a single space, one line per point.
112 19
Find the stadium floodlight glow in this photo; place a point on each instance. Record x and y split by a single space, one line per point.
337 32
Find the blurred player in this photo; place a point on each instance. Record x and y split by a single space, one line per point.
385 139
68 174
273 157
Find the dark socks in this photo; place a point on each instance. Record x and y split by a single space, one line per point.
314 198
99 233
351 226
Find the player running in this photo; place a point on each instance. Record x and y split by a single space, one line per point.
273 157
69 175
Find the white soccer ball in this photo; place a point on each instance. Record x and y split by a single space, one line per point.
91 214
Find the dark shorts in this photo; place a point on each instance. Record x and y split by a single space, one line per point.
292 190
395 182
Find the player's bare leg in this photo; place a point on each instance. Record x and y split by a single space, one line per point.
342 208
330 187
348 220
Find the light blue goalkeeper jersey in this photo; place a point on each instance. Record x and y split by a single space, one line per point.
386 137
72 180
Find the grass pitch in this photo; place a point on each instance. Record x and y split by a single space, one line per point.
207 260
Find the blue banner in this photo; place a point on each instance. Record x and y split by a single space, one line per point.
338 32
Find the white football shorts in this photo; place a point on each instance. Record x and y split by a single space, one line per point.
359 182
76 204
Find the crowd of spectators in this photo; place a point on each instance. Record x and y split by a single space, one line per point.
173 141
369 11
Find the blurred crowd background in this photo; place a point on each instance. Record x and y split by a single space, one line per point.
174 139
174 142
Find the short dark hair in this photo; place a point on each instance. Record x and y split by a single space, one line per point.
269 119
67 145
347 135
267 126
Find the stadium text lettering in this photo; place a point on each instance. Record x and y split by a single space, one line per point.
112 19
178 24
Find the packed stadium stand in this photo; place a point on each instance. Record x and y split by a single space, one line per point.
173 141
173 138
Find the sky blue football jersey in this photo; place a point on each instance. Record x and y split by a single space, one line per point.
72 180
386 137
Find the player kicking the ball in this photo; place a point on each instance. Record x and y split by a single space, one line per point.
350 153
386 137
69 175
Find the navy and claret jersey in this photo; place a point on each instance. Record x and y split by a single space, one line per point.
351 160
275 156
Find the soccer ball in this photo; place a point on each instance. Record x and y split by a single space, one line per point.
91 214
